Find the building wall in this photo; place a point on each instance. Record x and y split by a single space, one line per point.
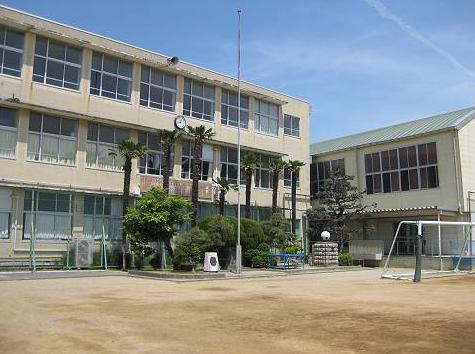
444 196
26 96
466 143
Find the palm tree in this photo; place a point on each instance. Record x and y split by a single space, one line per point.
199 134
248 165
276 165
294 167
224 186
168 138
129 150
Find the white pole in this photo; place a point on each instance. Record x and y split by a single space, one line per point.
238 246
104 249
440 240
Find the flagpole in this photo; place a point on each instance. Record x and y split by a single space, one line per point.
238 246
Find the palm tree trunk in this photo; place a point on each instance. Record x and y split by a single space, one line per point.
222 198
247 211
294 201
195 176
275 188
125 204
166 166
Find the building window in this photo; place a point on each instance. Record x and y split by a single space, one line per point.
111 77
266 118
263 178
52 139
206 161
198 100
229 109
288 178
5 213
11 51
57 64
291 125
229 165
152 163
50 213
101 141
102 217
8 132
157 89
403 169
323 172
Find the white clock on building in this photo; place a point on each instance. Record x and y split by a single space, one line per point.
180 122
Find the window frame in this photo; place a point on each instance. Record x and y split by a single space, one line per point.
39 157
261 168
97 216
151 151
162 87
259 116
409 174
117 165
226 163
227 106
333 165
189 111
116 75
10 129
55 214
47 58
288 179
188 160
4 47
292 131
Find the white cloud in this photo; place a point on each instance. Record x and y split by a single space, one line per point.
384 12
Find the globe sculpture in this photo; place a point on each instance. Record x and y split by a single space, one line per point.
325 235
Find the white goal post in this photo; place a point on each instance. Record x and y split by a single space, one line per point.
467 231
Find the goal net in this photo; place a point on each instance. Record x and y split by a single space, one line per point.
427 249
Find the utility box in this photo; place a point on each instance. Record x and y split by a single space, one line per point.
211 263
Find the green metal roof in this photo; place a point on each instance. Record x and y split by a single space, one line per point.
438 123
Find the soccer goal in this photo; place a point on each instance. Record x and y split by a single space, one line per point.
426 248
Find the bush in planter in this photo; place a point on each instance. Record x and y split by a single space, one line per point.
221 236
345 259
189 251
293 249
258 257
251 234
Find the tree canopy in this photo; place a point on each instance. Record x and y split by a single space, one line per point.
339 208
155 217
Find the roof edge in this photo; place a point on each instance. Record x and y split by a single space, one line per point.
150 52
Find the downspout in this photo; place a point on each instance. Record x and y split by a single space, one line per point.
457 171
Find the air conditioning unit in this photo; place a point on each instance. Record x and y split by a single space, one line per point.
84 249
211 263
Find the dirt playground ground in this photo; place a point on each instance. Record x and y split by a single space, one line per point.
351 312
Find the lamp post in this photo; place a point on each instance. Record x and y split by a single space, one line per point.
238 246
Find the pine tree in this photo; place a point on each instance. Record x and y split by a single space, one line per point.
340 209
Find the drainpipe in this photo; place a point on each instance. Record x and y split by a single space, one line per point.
457 171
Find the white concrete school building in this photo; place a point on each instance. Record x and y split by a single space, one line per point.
68 96
419 170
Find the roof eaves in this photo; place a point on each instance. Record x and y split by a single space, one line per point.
152 52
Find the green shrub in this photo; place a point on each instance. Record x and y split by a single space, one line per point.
276 231
189 252
258 257
251 234
293 249
139 262
221 235
345 259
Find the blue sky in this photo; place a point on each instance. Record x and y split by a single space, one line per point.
361 64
